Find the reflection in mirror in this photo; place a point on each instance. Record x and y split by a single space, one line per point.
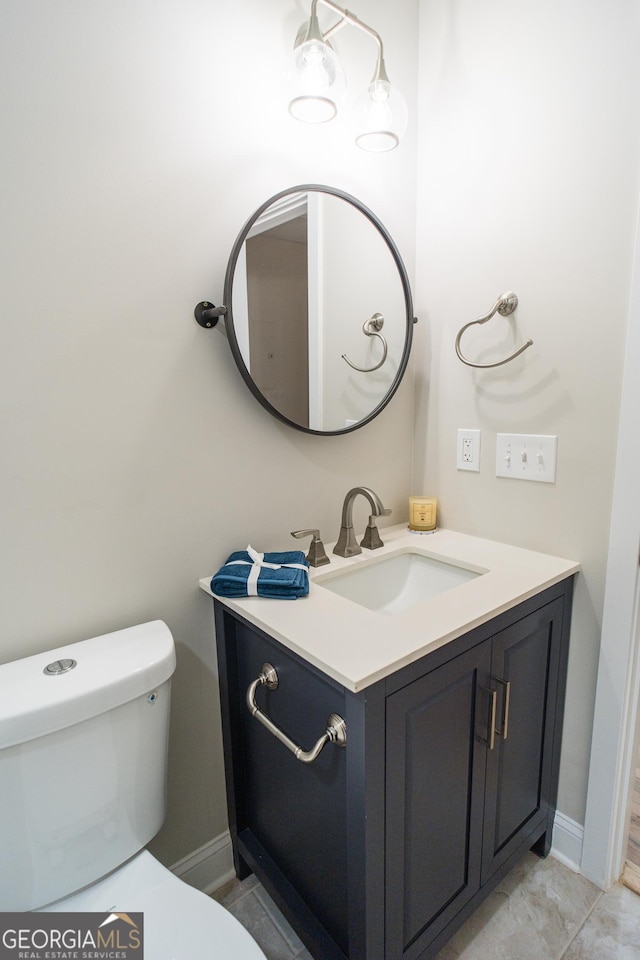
306 279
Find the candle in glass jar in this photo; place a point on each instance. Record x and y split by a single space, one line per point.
422 513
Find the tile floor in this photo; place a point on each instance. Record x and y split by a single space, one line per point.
633 849
541 911
631 872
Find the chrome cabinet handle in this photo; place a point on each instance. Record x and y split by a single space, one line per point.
506 704
371 328
493 702
336 731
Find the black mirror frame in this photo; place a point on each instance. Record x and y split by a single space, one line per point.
228 293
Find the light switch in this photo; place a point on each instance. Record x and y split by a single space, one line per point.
526 457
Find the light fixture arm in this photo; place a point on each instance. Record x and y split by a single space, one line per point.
349 19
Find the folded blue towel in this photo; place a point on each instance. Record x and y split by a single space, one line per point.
248 573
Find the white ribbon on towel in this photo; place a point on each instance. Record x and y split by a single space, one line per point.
257 564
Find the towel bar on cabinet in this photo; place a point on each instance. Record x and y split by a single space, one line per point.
336 731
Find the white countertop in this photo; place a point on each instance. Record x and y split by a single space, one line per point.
357 646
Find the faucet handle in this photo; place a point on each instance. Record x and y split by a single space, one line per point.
317 556
371 539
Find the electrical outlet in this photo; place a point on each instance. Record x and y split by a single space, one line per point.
526 457
468 450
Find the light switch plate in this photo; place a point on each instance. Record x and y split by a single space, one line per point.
526 457
468 450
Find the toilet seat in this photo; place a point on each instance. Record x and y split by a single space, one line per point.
180 922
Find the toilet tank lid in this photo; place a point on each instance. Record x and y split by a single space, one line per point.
110 670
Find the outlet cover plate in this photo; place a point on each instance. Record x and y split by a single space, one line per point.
468 450
526 457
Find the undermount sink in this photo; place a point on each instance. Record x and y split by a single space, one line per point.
395 583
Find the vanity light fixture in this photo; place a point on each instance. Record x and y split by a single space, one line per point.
318 84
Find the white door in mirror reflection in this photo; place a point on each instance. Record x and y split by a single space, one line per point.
311 270
278 326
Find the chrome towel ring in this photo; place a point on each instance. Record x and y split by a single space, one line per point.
371 328
504 305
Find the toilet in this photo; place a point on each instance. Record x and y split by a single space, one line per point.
83 759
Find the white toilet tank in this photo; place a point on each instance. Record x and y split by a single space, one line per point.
83 754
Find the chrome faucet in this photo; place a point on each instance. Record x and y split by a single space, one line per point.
347 545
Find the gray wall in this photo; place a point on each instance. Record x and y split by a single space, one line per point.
137 138
528 180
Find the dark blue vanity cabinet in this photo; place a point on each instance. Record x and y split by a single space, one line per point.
380 850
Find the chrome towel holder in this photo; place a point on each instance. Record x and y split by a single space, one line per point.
371 328
336 731
504 305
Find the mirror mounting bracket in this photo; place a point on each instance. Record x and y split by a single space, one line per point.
207 314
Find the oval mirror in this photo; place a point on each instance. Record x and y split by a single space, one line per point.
319 313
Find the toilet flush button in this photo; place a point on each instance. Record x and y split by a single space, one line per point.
59 666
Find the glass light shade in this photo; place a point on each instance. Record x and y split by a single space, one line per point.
317 82
382 117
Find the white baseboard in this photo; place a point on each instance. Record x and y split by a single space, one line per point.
567 841
209 867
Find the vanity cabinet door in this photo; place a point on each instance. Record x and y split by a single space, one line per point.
524 672
436 736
